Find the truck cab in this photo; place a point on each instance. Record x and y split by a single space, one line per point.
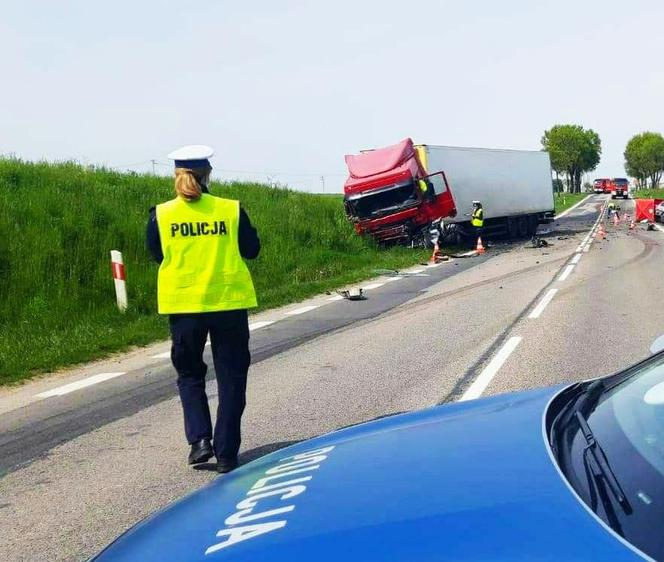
390 196
619 187
601 185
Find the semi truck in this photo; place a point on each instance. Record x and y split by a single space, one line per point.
514 187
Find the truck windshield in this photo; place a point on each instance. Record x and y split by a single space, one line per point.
619 181
383 201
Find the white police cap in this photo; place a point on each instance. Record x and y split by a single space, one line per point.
192 156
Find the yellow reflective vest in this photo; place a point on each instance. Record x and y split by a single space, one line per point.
202 270
478 218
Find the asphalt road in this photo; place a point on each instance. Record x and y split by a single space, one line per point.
82 467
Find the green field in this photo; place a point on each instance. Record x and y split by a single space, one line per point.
58 223
562 201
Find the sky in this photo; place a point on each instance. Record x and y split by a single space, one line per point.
283 89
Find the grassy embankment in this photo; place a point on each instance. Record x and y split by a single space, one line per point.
562 201
647 194
58 224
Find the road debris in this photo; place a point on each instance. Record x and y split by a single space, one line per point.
539 242
355 294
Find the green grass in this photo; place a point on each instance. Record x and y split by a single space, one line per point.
58 223
648 194
562 201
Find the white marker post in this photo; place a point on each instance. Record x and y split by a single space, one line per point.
119 278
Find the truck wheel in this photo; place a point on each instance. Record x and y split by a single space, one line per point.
523 227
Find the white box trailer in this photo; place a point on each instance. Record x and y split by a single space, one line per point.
514 186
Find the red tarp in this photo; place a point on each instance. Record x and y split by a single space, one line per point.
380 160
644 209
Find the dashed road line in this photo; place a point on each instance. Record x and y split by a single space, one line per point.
83 383
565 274
546 299
479 385
576 259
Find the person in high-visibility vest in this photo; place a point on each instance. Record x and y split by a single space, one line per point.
205 287
477 218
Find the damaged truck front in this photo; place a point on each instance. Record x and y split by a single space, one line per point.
390 196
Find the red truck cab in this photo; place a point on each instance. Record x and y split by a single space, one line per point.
601 185
390 196
619 187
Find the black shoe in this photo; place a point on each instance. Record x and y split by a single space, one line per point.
226 465
201 451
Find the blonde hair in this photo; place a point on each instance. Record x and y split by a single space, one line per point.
188 182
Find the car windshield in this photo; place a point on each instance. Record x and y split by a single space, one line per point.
627 421
383 201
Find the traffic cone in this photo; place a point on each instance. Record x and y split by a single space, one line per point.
436 254
480 248
600 232
631 225
615 219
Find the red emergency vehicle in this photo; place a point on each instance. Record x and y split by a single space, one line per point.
619 187
602 185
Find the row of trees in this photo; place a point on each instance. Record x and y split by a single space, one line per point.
574 150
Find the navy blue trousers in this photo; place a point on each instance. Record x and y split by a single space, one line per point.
229 337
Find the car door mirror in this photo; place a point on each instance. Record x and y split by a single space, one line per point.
657 345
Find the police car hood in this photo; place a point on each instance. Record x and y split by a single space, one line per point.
469 481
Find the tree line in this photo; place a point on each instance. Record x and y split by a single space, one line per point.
574 150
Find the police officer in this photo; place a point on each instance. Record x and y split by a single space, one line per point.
477 218
205 287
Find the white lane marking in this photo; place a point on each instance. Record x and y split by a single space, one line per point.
576 259
373 286
658 227
480 383
546 299
74 386
580 247
565 274
260 324
566 211
415 271
165 355
391 279
301 310
587 248
335 298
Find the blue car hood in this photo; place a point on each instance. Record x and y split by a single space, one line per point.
468 481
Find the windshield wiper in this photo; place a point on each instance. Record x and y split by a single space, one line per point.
600 472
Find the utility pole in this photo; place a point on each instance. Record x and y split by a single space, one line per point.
154 170
322 182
